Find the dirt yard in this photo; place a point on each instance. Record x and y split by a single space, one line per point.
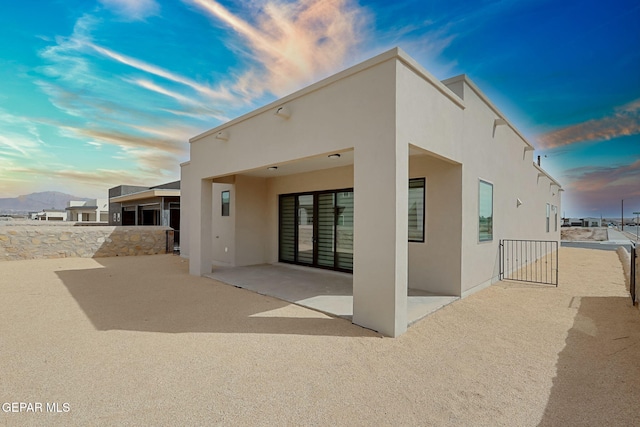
137 341
585 234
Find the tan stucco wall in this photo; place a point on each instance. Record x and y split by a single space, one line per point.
224 227
251 219
186 187
501 159
435 265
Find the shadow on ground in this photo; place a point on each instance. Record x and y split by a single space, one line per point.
141 294
598 371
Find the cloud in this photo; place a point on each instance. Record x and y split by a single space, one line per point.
624 121
221 94
99 178
20 137
132 10
291 43
600 188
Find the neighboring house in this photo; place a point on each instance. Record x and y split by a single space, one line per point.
94 210
592 222
51 215
135 205
585 222
380 170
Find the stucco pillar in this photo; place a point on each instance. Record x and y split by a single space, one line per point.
200 244
380 237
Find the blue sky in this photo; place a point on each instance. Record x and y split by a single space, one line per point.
99 93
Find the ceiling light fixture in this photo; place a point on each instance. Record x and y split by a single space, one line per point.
334 156
272 168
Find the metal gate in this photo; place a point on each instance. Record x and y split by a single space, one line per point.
634 273
533 261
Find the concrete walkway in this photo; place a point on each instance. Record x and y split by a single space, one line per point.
137 341
323 290
616 237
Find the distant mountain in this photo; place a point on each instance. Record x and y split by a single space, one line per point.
37 202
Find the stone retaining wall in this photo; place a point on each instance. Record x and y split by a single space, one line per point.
33 242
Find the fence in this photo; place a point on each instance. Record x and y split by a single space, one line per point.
63 241
533 261
633 277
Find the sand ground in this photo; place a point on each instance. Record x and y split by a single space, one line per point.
573 234
137 341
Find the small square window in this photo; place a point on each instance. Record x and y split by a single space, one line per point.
226 198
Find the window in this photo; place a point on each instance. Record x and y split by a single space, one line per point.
548 215
555 218
225 203
485 211
416 209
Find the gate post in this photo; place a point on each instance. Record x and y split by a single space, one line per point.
500 263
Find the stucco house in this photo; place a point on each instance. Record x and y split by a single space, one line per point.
380 170
51 215
138 205
94 210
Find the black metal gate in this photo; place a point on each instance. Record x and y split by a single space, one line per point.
533 261
634 272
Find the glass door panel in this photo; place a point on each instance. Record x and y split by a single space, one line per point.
344 230
306 237
326 229
287 228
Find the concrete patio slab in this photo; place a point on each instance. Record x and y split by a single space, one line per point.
327 291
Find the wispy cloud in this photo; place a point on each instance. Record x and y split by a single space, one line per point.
99 178
600 188
291 43
221 94
624 121
20 137
132 10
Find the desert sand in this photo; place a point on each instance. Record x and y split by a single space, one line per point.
583 234
137 341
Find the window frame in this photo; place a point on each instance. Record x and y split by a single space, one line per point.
548 217
225 204
424 209
482 239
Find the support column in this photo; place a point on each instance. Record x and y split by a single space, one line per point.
200 239
381 174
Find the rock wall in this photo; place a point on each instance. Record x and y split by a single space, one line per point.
33 242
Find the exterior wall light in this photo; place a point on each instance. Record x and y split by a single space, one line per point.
334 156
283 112
272 168
223 135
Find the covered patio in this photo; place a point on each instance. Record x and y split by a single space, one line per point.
329 292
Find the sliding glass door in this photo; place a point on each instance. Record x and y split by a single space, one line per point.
316 229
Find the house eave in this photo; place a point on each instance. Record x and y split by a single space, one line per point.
392 54
147 194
